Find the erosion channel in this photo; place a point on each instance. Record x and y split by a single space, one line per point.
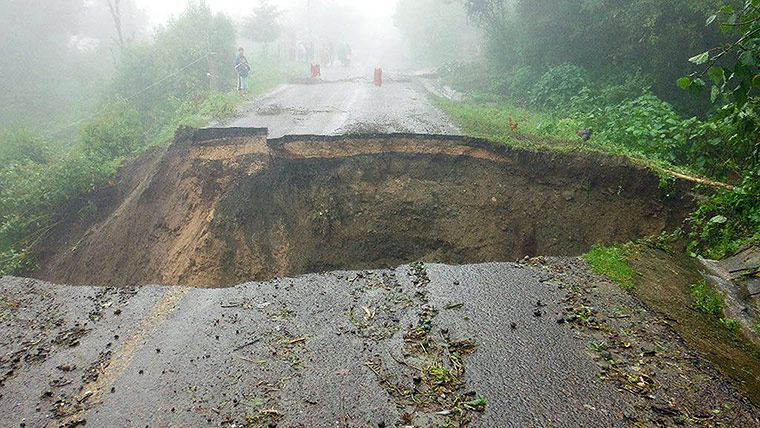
219 207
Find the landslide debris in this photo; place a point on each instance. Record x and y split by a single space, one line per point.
223 206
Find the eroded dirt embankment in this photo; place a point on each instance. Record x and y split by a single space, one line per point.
223 206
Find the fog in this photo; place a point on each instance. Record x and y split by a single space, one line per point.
379 13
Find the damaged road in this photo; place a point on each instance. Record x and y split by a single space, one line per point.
498 344
542 342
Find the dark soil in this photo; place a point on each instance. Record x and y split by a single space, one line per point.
220 207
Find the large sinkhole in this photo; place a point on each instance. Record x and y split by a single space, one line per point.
224 206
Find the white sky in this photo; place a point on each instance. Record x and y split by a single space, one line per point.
160 10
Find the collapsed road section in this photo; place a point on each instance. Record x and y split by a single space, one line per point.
219 207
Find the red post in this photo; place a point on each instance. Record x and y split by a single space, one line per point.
378 77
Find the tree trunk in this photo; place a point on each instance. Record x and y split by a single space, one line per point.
116 15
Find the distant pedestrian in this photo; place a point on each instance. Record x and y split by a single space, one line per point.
243 69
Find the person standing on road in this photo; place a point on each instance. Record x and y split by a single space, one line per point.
243 69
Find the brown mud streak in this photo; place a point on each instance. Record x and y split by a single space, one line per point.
223 206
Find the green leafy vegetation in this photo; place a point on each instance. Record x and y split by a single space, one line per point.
732 324
611 261
710 302
536 88
707 299
157 87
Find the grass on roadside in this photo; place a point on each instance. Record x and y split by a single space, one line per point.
487 117
707 299
611 261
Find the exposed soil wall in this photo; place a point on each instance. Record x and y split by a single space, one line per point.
223 206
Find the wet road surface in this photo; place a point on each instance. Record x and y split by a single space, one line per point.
183 357
344 349
346 101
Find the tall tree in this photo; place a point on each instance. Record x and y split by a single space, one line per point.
115 9
263 25
606 36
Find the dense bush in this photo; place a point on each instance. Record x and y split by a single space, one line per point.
467 76
21 145
558 86
114 133
651 37
31 198
521 81
156 87
727 220
646 125
174 66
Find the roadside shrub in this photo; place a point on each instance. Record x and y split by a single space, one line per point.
198 110
727 220
31 199
558 86
645 124
114 133
727 144
622 86
22 145
466 76
522 80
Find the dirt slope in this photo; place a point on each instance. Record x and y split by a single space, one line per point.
223 206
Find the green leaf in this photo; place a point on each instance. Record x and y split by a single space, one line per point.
478 402
711 19
717 74
701 58
718 219
697 86
714 93
740 94
747 58
684 82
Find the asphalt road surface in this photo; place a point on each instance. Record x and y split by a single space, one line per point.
350 349
346 100
181 357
